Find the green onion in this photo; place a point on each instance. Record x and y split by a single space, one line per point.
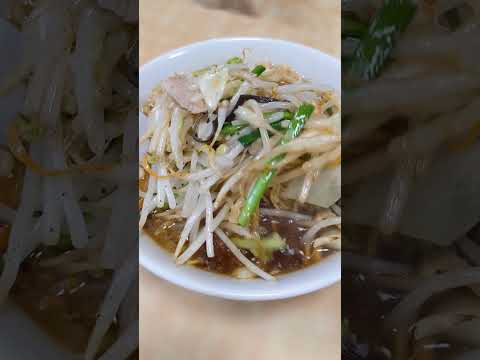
261 185
249 139
258 70
201 71
377 44
298 122
235 60
287 115
230 129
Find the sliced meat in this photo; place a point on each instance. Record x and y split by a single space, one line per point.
185 92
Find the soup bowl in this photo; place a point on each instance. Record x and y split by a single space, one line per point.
324 71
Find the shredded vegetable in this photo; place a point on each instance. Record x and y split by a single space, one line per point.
253 199
233 121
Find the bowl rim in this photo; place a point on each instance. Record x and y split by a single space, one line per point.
270 292
264 291
179 51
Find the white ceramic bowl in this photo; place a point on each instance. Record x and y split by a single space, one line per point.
323 70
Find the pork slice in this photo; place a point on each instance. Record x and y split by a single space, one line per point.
185 92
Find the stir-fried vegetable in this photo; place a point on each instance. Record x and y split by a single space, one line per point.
261 248
201 71
235 60
258 190
250 138
377 44
230 129
243 115
258 70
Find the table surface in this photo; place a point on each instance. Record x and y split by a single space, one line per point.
176 324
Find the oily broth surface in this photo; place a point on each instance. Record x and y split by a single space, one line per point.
167 232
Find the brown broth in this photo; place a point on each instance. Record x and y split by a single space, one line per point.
65 306
291 258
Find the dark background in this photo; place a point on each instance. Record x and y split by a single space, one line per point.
410 180
68 181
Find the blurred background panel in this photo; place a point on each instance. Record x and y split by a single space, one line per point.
410 179
68 131
179 324
167 25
